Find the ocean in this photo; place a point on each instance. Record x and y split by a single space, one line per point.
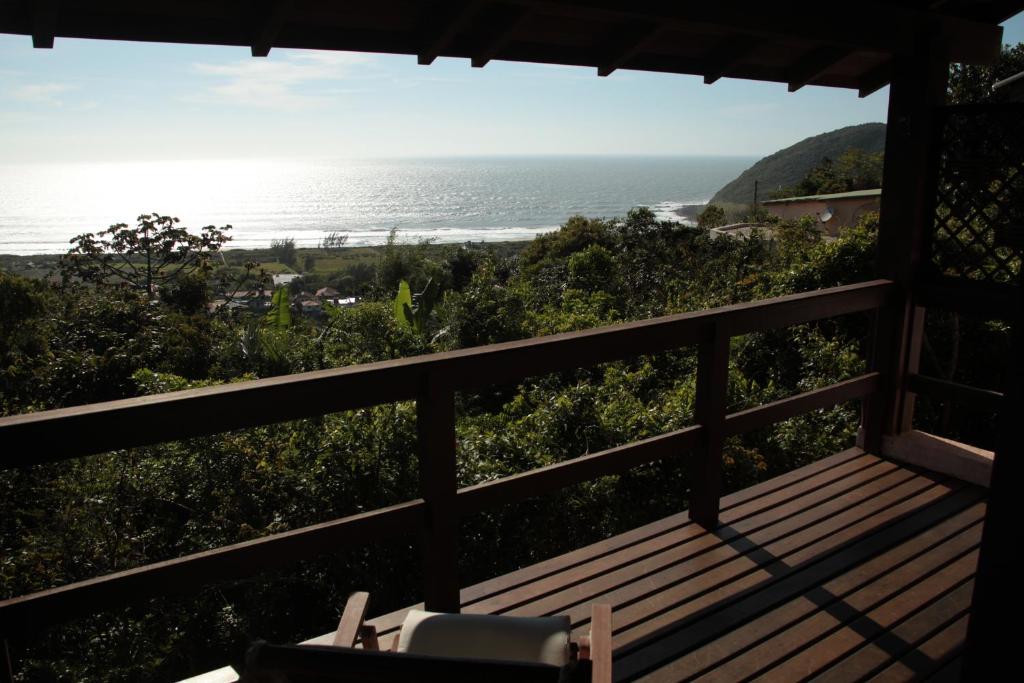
42 206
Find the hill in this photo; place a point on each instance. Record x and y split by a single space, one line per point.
789 166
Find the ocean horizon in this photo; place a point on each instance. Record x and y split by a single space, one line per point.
450 199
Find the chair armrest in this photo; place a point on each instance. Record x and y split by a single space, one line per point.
601 643
352 620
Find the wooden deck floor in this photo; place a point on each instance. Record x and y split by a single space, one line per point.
851 568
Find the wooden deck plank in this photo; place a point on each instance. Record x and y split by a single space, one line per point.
703 550
750 634
765 564
952 671
918 629
851 622
944 649
739 504
723 562
722 615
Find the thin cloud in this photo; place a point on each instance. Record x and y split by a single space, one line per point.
279 83
41 93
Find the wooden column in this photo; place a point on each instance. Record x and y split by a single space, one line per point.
992 635
435 425
709 412
908 194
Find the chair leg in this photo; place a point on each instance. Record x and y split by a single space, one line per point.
352 620
601 643
368 637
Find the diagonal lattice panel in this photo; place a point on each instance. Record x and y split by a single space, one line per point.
979 193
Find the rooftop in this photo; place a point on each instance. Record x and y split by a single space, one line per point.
854 194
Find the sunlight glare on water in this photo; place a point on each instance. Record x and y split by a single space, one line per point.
450 200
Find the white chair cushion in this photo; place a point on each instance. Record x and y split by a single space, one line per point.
520 639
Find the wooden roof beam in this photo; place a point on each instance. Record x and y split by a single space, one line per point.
269 18
874 26
726 55
44 23
814 64
875 79
441 26
499 40
629 46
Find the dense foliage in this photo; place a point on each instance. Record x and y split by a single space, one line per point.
70 344
855 169
973 83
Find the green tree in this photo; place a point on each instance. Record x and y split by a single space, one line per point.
973 83
712 216
154 253
25 330
333 241
284 250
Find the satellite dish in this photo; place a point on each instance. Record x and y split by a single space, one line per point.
827 214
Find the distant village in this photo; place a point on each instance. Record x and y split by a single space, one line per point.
831 211
311 304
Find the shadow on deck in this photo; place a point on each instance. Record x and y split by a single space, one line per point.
851 567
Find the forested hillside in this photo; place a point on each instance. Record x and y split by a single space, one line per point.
789 166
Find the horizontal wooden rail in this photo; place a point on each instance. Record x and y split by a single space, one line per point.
584 468
783 409
96 428
953 391
187 574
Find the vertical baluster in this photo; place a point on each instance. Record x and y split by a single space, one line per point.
435 426
6 666
709 411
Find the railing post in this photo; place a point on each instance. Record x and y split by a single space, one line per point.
435 427
709 412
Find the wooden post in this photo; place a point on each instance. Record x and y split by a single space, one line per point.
435 426
918 87
991 646
709 412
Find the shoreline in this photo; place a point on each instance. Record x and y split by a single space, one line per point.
690 212
684 213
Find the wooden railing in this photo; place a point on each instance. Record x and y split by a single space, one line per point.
431 381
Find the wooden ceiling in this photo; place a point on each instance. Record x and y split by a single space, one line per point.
848 45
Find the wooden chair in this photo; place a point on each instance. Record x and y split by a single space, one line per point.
443 647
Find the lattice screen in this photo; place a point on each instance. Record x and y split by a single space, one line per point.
979 210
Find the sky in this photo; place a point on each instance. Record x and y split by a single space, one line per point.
120 101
